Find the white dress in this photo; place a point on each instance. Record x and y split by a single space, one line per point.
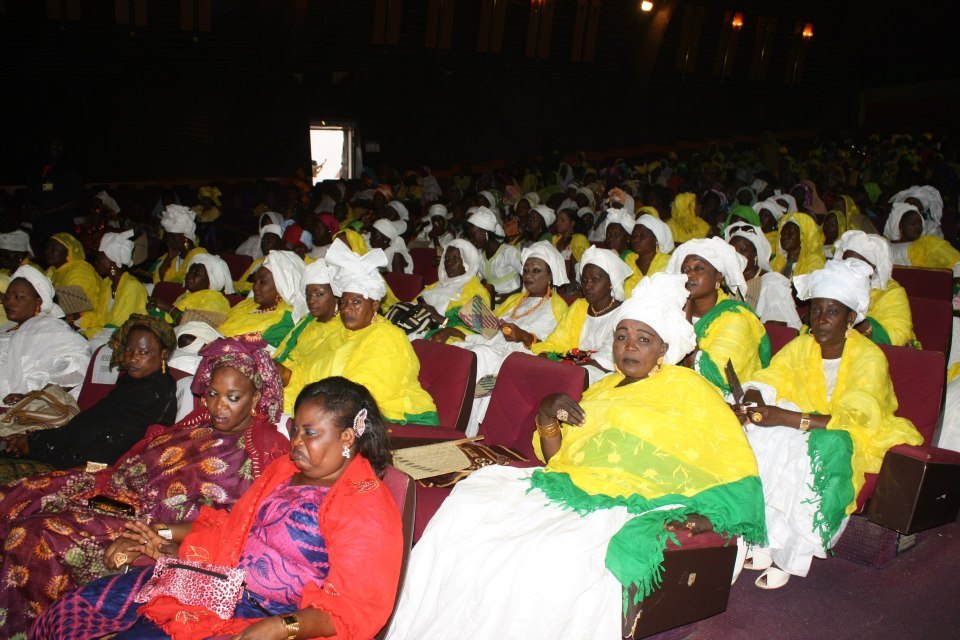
503 269
42 351
597 335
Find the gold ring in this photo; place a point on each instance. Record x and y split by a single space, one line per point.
562 415
756 416
120 558
507 331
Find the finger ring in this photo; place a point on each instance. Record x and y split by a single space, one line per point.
756 416
120 559
507 331
562 415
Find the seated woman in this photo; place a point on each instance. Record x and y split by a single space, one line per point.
617 230
913 246
145 395
855 219
928 202
458 284
585 335
434 232
386 235
823 418
799 247
207 279
208 459
318 536
539 221
684 222
727 329
37 347
181 239
833 226
652 243
647 448
276 293
770 212
371 351
69 268
768 293
121 295
501 261
570 239
889 320
251 246
271 239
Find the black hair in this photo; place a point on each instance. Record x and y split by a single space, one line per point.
345 399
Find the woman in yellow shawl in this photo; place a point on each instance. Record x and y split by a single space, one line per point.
728 330
799 247
652 243
276 293
181 238
855 219
833 226
121 295
69 268
823 418
207 280
912 246
684 222
457 286
371 351
646 449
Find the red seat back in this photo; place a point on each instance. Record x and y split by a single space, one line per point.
423 263
925 283
237 263
406 286
524 380
779 335
402 487
168 291
918 379
235 298
99 368
449 375
932 322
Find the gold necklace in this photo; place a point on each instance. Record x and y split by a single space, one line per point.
513 312
605 309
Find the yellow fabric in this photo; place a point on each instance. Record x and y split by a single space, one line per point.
309 345
953 371
658 264
389 299
773 237
932 252
698 440
651 210
842 225
852 212
567 334
246 318
473 288
204 300
243 286
72 245
206 215
734 336
891 308
172 274
811 246
863 401
130 298
78 273
684 222
354 240
578 244
380 358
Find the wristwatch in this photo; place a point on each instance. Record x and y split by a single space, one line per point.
292 623
163 531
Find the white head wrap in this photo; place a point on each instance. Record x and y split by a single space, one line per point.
719 254
118 247
584 211
400 208
492 202
660 229
107 201
365 194
484 218
928 196
217 271
612 265
272 218
318 272
532 197
657 301
287 268
874 248
548 253
588 193
620 217
271 228
43 287
355 274
756 237
897 211
391 230
438 211
188 358
179 219
449 288
549 215
775 302
846 281
791 202
17 241
758 185
774 207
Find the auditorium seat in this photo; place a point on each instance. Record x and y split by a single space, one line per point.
449 375
779 335
401 487
932 322
237 263
925 283
423 263
406 286
168 291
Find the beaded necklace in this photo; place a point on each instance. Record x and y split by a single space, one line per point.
513 312
596 313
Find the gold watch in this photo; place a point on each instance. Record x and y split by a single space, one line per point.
292 623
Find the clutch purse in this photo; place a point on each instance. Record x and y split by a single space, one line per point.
478 316
110 507
199 584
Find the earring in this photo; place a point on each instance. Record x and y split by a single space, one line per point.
253 412
346 452
656 368
717 286
163 366
849 330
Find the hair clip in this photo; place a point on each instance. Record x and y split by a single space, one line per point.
360 422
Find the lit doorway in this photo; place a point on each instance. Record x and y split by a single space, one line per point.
331 151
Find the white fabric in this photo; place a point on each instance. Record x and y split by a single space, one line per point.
657 301
107 201
846 281
499 562
185 398
775 302
791 202
612 265
400 208
318 272
660 229
899 254
756 237
719 254
876 249
620 217
758 185
397 245
587 211
188 358
588 194
250 247
831 368
491 201
17 241
42 285
532 197
774 207
118 247
217 271
287 269
353 273
484 218
42 351
949 437
448 289
928 196
597 335
549 215
548 253
275 229
897 211
179 219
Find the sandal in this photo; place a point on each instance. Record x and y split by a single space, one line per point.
772 578
758 561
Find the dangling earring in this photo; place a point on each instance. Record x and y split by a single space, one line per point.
346 452
336 308
656 368
849 330
163 366
253 412
717 286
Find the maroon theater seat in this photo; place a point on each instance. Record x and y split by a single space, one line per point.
405 286
237 263
93 392
925 283
932 322
449 375
234 299
779 335
168 291
402 487
423 263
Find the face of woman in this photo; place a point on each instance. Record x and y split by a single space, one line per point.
453 262
264 289
356 311
911 227
595 284
196 278
642 241
269 242
790 237
767 222
320 301
745 248
55 253
831 228
535 226
840 205
702 277
142 353
316 444
102 264
21 301
536 277
616 238
521 210
476 235
829 320
564 222
636 348
378 240
439 223
176 243
230 399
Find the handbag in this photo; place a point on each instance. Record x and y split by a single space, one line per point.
411 317
199 584
479 455
45 408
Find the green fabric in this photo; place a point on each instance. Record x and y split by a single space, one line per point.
427 417
635 553
294 337
625 255
454 321
831 454
710 369
275 334
743 212
879 335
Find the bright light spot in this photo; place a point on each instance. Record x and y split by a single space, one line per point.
646 5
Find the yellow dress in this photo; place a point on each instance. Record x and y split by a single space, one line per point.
130 298
658 264
173 274
567 334
298 351
932 252
244 318
207 300
473 288
684 222
730 331
77 272
811 246
578 244
890 316
243 286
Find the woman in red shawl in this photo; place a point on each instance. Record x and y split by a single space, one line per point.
318 536
55 541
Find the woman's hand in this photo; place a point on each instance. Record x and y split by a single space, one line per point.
762 415
124 548
513 333
558 403
14 398
445 334
271 628
284 373
18 445
435 315
694 525
147 541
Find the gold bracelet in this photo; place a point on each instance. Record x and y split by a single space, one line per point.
292 623
550 430
804 422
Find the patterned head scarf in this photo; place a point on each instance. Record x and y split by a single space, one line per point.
163 331
247 354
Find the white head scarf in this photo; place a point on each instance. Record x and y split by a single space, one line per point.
657 301
188 358
287 268
587 211
660 229
107 201
118 247
548 253
718 253
620 217
438 211
271 228
484 218
791 202
612 265
17 241
846 281
532 197
449 288
549 215
774 207
217 271
400 208
588 193
874 248
357 274
272 218
756 237
42 286
928 196
179 219
318 272
389 229
492 202
897 211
